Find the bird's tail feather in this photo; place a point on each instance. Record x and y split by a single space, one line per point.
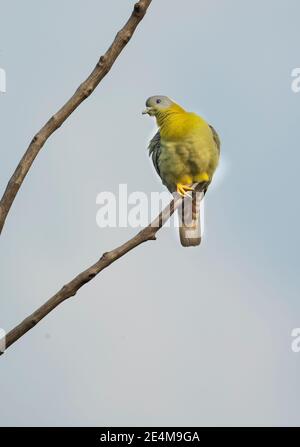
190 230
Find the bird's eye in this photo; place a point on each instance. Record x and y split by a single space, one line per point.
158 101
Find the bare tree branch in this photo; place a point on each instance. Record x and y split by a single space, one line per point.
70 289
84 91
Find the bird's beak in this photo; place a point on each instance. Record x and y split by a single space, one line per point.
147 111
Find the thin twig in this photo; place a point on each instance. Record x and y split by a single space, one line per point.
84 91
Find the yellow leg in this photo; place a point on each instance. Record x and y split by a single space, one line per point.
183 189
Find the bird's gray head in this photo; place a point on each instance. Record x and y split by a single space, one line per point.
156 104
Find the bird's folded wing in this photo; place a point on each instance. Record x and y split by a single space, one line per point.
155 150
216 138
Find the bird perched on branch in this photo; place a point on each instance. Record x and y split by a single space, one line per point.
185 151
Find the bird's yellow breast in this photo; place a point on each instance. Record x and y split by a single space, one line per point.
180 125
188 150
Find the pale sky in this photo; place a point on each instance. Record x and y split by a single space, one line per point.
166 335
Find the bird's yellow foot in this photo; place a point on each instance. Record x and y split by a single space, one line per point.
183 189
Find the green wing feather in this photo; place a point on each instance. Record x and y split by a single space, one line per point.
216 138
155 151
